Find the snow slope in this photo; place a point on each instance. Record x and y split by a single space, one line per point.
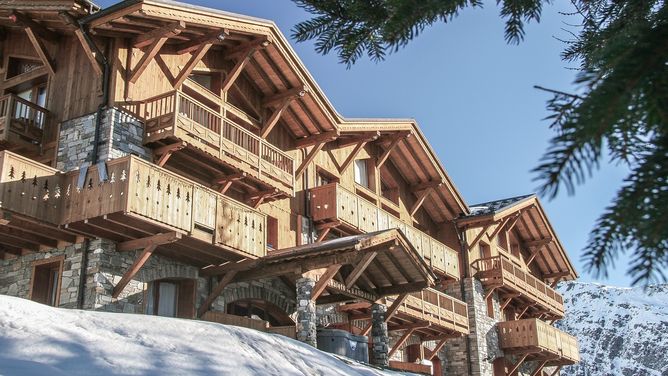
621 331
40 340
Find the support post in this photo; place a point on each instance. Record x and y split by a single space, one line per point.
216 292
381 340
127 277
306 316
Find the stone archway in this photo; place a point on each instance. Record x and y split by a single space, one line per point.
278 298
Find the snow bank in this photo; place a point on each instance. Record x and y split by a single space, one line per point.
40 340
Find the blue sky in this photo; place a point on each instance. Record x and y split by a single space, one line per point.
473 96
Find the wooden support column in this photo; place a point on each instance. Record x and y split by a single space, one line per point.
227 278
518 364
309 158
352 156
432 353
539 369
322 283
421 198
191 64
359 269
400 342
395 306
556 371
149 54
127 277
505 303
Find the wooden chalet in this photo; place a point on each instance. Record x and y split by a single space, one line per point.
163 158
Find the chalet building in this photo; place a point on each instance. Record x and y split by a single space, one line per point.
166 159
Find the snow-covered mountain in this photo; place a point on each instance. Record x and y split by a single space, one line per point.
621 331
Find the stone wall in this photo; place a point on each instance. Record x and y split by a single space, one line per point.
16 274
121 134
271 290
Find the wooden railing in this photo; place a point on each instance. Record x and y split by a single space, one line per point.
333 202
22 118
261 325
498 270
531 335
135 187
436 308
175 114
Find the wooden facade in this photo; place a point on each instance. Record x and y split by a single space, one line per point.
252 173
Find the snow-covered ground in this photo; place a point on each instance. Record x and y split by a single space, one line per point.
621 331
40 340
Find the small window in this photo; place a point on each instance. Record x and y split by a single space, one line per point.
171 298
361 173
272 232
324 177
502 240
46 276
203 79
490 306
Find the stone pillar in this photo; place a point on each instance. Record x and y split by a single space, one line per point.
306 315
379 335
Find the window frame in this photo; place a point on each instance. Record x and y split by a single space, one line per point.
58 262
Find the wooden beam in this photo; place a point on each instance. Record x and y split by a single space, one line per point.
366 330
165 152
92 57
149 54
317 139
539 369
191 64
359 269
505 303
273 120
478 237
556 371
155 240
295 92
432 353
227 278
41 50
386 154
246 53
363 136
400 342
534 253
556 275
167 31
416 206
353 306
309 158
395 306
323 234
538 243
36 27
217 36
127 277
351 157
502 225
426 185
322 283
518 364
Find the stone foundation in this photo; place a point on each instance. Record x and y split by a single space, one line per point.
306 314
379 336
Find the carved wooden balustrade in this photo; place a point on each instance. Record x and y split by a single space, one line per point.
538 340
21 124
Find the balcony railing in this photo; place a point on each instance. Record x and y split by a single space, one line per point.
332 202
133 187
536 337
177 115
435 308
498 271
21 122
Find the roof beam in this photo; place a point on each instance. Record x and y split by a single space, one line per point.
190 65
275 116
426 185
352 155
296 92
217 36
170 30
40 49
155 240
215 293
127 277
323 281
309 158
362 136
479 236
505 223
359 269
421 198
386 153
37 28
149 54
92 56
245 52
538 243
316 139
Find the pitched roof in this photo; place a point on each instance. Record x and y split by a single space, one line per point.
493 207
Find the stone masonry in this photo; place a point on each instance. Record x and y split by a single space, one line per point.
306 314
121 134
379 335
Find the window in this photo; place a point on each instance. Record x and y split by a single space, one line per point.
171 298
45 283
203 79
361 173
502 240
272 232
324 177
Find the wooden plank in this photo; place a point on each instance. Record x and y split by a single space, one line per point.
149 54
226 280
400 342
127 277
167 31
386 154
92 58
352 156
309 158
359 269
322 283
154 240
41 51
190 65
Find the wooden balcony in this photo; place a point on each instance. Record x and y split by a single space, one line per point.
135 199
539 341
500 273
21 125
175 118
333 203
